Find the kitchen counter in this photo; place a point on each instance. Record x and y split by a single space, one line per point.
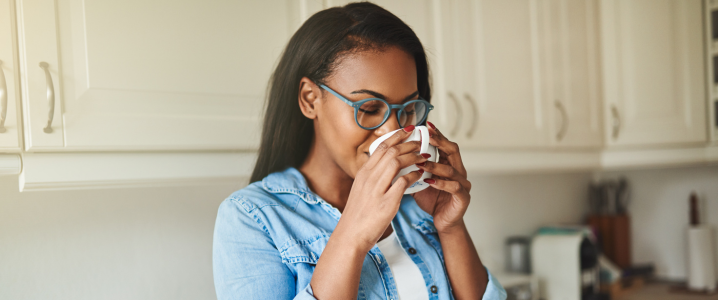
661 291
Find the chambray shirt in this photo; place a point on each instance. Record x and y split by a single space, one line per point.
269 236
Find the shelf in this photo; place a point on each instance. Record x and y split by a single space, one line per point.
10 164
61 171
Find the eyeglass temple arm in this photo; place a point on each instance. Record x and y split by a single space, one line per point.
337 95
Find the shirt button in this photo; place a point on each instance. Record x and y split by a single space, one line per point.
434 289
412 251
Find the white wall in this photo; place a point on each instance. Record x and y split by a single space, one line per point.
659 212
507 205
145 243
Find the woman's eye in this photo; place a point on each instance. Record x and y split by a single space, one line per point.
370 112
409 112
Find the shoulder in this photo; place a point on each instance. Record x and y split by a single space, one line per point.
251 198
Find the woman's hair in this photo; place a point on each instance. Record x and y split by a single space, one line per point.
314 51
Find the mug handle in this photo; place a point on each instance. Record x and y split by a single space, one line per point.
424 131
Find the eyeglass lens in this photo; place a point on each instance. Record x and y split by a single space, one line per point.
373 112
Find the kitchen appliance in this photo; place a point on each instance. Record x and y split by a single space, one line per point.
566 265
518 254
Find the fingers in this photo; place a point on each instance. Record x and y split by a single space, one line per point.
403 182
446 171
387 144
447 148
452 187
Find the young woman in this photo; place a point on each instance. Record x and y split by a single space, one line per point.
321 218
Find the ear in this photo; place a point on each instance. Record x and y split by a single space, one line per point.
309 96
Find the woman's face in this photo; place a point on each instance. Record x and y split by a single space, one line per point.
389 75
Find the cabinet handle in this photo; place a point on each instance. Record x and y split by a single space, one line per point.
50 96
474 115
616 121
3 99
564 120
457 123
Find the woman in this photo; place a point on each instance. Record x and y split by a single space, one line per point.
308 225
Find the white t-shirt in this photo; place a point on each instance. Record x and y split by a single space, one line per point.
409 281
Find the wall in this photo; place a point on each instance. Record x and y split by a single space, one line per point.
155 243
659 212
144 243
507 205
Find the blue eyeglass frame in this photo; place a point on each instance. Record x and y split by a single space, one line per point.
399 107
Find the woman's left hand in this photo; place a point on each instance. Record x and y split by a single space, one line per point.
448 196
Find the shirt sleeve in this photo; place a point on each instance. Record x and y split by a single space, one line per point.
494 290
246 263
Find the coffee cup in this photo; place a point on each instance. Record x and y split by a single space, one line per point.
420 133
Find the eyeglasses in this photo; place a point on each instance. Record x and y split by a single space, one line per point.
371 113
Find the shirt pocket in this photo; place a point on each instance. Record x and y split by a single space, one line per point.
303 250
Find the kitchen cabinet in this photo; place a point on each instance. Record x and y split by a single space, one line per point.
497 68
521 74
10 120
653 72
147 75
571 73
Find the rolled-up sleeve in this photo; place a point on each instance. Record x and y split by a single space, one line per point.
494 290
246 263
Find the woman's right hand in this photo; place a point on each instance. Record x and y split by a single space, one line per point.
374 200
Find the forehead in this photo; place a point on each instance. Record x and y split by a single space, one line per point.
391 72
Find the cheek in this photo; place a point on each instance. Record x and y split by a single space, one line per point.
346 139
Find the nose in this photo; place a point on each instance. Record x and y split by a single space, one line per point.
390 125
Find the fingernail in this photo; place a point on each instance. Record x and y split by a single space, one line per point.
426 155
430 181
431 135
409 128
421 171
432 125
421 164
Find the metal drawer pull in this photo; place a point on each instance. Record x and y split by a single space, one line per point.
3 99
564 121
474 114
616 121
454 129
50 96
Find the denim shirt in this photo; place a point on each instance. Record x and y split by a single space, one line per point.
269 236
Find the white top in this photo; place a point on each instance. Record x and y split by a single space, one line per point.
409 281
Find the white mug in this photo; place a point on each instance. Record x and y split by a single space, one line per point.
420 133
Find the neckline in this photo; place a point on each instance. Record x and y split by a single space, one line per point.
387 240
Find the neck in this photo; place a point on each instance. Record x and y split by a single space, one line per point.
326 178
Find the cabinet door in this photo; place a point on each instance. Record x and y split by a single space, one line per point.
148 75
10 127
653 67
570 34
506 72
448 88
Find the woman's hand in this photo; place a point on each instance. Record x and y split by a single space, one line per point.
448 197
374 200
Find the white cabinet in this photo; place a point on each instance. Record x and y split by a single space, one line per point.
653 64
521 74
571 72
147 75
10 127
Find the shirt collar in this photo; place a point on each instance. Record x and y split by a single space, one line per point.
289 181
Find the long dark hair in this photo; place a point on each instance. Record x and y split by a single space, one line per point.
313 52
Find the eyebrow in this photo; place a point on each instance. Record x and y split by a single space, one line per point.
379 95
